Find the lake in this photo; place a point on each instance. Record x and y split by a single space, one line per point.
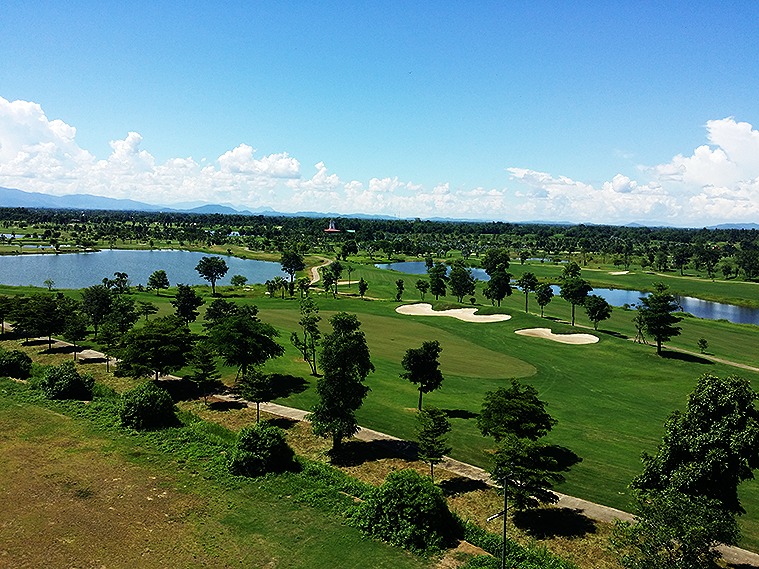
618 297
79 270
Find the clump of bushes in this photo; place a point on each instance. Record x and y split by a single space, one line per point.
65 382
260 449
410 511
15 364
147 407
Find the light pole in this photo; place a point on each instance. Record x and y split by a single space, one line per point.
504 479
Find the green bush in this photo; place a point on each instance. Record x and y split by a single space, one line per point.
410 511
65 382
15 364
260 449
147 407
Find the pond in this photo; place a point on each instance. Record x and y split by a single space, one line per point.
79 270
618 297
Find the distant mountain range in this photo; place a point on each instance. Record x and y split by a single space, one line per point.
16 198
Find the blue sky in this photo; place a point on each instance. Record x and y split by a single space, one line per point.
605 112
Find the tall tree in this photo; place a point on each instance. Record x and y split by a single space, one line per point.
656 313
422 286
186 303
158 280
499 285
543 296
362 286
399 287
202 361
257 387
494 258
243 340
160 347
292 262
309 322
438 279
575 290
461 280
597 309
212 269
528 282
514 410
96 303
711 447
422 367
345 364
432 436
146 308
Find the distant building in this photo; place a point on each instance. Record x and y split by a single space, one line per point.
331 228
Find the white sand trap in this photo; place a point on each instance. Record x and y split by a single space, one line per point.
619 273
465 314
563 338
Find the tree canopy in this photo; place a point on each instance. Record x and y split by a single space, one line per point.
212 269
656 315
514 410
422 367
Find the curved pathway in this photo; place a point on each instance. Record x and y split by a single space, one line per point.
315 270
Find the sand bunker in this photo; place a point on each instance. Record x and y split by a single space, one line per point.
563 338
465 314
619 273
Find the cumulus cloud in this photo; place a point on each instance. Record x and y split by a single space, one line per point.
718 181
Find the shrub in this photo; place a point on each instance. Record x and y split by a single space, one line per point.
260 449
147 407
65 382
15 364
410 511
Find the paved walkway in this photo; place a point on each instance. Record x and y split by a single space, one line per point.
735 555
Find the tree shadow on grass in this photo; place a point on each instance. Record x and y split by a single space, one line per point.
186 390
461 485
355 453
223 405
283 423
286 385
690 358
554 522
459 414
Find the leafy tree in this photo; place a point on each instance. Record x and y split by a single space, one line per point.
65 382
96 303
362 287
161 346
422 367
329 280
410 511
349 269
238 280
158 280
109 339
656 313
219 309
499 285
146 308
575 290
533 468
212 269
75 328
49 283
681 256
571 271
42 317
349 248
514 410
543 296
260 449
528 282
147 407
438 279
422 286
703 345
461 280
597 309
709 448
431 435
123 313
309 322
186 303
303 285
399 286
345 364
292 262
243 341
494 258
204 370
257 387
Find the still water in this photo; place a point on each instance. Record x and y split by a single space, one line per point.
618 297
79 270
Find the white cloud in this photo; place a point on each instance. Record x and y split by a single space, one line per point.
719 181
